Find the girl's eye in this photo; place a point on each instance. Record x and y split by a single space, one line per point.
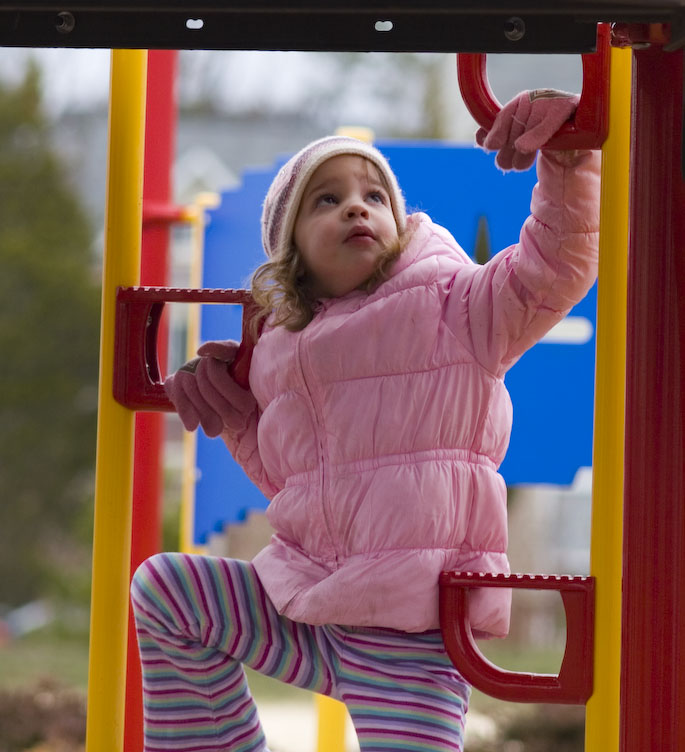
377 197
327 199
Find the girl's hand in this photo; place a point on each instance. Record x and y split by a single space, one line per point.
525 124
204 392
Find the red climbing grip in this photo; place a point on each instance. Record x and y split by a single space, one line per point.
573 684
586 130
137 382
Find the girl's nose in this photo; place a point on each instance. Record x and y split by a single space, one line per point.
356 208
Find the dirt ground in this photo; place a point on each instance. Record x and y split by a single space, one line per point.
44 718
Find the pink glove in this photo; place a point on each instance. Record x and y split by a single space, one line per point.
525 124
204 392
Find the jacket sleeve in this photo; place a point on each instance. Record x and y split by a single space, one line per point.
505 306
242 444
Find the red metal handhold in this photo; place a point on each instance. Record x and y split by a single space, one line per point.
586 130
573 684
137 382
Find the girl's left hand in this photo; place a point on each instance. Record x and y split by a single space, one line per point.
525 124
204 392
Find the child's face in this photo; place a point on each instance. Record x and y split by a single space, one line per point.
344 224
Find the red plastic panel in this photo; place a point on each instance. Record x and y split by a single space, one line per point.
137 381
589 127
573 684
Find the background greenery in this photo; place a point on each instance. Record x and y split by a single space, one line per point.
49 324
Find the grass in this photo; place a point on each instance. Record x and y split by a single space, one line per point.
51 654
63 656
42 655
514 658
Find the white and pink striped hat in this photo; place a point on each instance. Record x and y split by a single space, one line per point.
285 193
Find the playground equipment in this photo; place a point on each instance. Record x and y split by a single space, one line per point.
574 683
138 385
650 709
146 532
654 549
114 474
589 126
576 679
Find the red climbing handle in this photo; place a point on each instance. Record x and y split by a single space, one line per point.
573 684
586 130
137 382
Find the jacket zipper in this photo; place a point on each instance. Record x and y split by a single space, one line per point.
322 453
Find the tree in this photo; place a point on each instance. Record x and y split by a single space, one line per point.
49 321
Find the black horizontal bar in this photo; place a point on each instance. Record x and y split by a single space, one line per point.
595 8
362 31
332 25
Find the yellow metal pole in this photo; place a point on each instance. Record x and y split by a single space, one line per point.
331 731
196 215
114 463
602 721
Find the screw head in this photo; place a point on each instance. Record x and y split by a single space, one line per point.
514 29
65 22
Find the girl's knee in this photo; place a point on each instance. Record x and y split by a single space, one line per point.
149 576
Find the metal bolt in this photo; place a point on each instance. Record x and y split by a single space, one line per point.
514 29
65 22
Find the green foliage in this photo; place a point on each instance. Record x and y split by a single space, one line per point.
49 322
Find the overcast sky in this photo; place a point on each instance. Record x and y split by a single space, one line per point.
73 78
79 79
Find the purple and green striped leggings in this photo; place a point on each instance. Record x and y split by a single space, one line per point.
199 618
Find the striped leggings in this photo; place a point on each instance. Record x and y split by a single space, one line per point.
199 618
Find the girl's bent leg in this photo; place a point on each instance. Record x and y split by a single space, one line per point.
198 619
402 692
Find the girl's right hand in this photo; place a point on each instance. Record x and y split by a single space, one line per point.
204 392
525 124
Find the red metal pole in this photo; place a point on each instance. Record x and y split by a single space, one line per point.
147 477
652 715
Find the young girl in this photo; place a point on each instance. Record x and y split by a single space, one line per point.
375 422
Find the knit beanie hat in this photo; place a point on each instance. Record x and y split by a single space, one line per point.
283 198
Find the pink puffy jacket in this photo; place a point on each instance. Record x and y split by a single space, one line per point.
382 424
